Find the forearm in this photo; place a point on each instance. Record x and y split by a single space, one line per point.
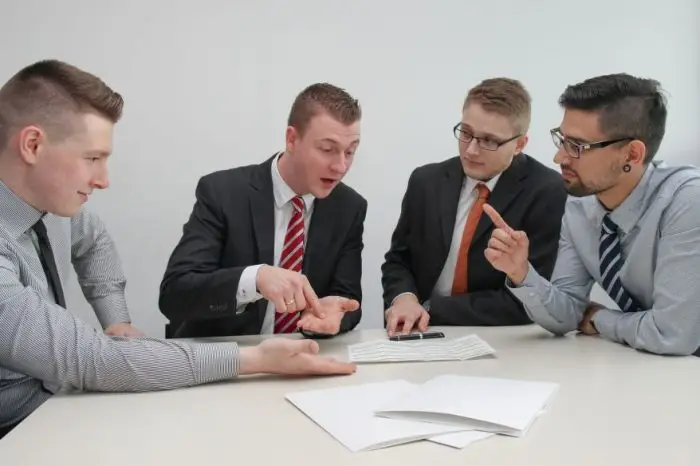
650 331
186 295
48 343
552 307
481 308
98 269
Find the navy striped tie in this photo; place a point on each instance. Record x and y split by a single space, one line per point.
611 261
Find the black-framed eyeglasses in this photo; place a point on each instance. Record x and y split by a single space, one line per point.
575 149
485 142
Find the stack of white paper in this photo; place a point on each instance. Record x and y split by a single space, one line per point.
450 410
457 349
500 406
460 439
347 413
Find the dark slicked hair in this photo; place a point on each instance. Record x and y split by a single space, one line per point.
323 97
49 92
628 107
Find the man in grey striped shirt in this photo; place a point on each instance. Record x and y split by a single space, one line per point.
632 225
56 124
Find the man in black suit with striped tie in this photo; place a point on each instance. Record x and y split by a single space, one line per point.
264 241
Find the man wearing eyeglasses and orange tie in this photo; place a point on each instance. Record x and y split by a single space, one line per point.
632 226
435 271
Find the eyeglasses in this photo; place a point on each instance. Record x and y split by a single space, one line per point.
485 142
575 149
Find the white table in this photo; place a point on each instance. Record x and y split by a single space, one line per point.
616 406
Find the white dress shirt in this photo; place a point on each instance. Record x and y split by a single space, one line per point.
467 197
247 289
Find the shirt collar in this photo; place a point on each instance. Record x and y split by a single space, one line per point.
16 216
282 192
627 214
470 183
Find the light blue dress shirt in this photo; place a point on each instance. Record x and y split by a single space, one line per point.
659 225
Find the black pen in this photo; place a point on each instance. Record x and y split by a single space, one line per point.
417 336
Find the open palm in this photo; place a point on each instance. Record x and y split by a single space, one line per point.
333 309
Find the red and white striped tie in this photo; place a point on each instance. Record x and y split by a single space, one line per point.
291 259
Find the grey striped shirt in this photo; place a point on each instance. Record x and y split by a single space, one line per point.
660 240
45 349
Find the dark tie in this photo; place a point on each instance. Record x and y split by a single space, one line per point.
48 262
610 253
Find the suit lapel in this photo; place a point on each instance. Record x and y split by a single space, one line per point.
262 211
449 189
507 189
320 228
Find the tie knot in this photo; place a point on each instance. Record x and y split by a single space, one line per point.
483 190
298 204
609 227
39 228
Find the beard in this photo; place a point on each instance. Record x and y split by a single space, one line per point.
576 187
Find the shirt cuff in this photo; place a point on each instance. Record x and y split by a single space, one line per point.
247 290
605 321
215 361
111 309
531 293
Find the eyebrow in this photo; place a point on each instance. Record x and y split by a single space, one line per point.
333 141
100 153
484 134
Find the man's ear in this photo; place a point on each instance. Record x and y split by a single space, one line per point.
521 143
636 152
30 141
291 137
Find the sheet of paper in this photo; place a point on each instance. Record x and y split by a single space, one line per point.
439 349
478 403
460 439
347 414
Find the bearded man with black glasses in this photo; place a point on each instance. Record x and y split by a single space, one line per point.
632 226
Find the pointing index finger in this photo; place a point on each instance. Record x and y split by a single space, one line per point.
497 219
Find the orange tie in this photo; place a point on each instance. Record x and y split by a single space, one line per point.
459 285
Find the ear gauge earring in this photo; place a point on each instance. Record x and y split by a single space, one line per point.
626 168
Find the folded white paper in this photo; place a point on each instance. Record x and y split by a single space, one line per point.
460 439
500 406
347 413
384 350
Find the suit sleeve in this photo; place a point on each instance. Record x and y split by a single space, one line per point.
194 286
499 307
347 280
397 277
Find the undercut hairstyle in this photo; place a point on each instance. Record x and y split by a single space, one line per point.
627 107
323 97
49 94
504 96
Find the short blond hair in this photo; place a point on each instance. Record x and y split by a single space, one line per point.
505 96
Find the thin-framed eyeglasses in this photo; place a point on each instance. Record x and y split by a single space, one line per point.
575 149
486 143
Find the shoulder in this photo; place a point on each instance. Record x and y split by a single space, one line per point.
228 177
436 169
541 175
676 190
430 172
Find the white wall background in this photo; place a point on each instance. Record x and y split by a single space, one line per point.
208 85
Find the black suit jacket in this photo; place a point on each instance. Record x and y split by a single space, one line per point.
528 195
232 227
